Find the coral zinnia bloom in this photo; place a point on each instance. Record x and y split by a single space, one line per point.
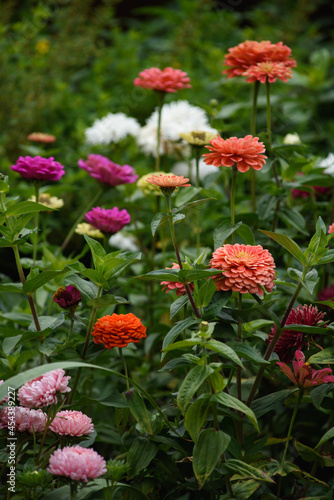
38 168
77 463
250 52
67 298
25 419
166 80
305 376
290 340
72 423
41 137
245 152
108 220
176 285
118 330
331 229
268 71
44 390
168 183
108 172
245 268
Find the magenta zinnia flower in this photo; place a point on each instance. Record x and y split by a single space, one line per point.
67 298
165 80
72 423
291 340
108 220
305 376
108 172
25 419
77 463
44 390
39 168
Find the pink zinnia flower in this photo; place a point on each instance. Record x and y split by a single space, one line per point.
290 340
268 71
326 293
72 423
77 463
67 298
245 268
108 220
244 152
44 390
108 172
305 376
250 52
39 168
176 285
166 80
331 229
41 137
25 419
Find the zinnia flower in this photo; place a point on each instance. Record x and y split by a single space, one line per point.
245 268
72 423
38 168
268 71
168 183
41 137
292 139
77 463
290 340
328 164
197 137
250 52
67 298
85 228
244 152
111 128
166 80
108 172
331 229
44 390
118 330
326 293
148 188
124 241
305 376
108 220
25 419
176 285
48 200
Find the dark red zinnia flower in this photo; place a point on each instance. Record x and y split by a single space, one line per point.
67 298
291 340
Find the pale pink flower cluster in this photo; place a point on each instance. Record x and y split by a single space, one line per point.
25 419
77 463
72 423
44 390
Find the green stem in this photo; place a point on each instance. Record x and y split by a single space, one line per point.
227 479
36 222
253 133
269 147
239 340
125 368
81 216
232 201
71 327
47 425
161 96
177 253
197 158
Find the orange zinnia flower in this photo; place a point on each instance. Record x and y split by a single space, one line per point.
245 152
168 183
268 70
245 268
118 330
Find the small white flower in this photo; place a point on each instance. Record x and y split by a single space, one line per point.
328 164
292 139
123 241
111 128
176 117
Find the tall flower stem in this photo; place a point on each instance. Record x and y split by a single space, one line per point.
293 418
81 216
253 133
161 96
269 147
177 253
197 158
125 368
36 222
232 200
239 340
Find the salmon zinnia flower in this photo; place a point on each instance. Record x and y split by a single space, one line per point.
245 152
245 268
165 80
290 340
41 137
331 229
305 376
168 183
118 330
268 71
176 285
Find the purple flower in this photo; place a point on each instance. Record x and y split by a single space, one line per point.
108 172
67 298
109 220
39 168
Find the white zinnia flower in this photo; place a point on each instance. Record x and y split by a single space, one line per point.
123 241
111 128
176 117
328 164
292 139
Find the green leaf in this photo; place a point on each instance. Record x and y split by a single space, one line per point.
161 218
323 357
177 305
310 281
205 293
160 275
185 195
310 455
139 411
223 231
140 455
261 406
310 330
224 350
11 287
218 301
106 300
191 204
49 346
196 274
328 257
96 277
229 402
25 207
86 288
207 453
288 244
195 416
9 344
194 379
294 218
242 470
248 352
97 250
328 435
44 277
177 329
182 344
246 234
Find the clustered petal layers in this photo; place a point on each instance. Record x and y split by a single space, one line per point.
165 80
118 330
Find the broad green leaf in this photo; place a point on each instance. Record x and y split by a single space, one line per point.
246 234
261 406
318 394
205 293
141 453
242 470
185 195
160 275
177 305
207 453
310 281
139 411
106 300
229 402
87 288
328 435
108 264
323 357
194 379
9 344
195 417
224 350
310 330
11 287
288 244
127 259
182 344
326 259
161 218
223 231
248 352
48 322
218 301
310 455
97 250
177 329
25 207
294 218
196 274
96 277
243 490
40 280
49 346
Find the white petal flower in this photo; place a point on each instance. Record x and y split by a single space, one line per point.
328 164
123 241
111 128
292 139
